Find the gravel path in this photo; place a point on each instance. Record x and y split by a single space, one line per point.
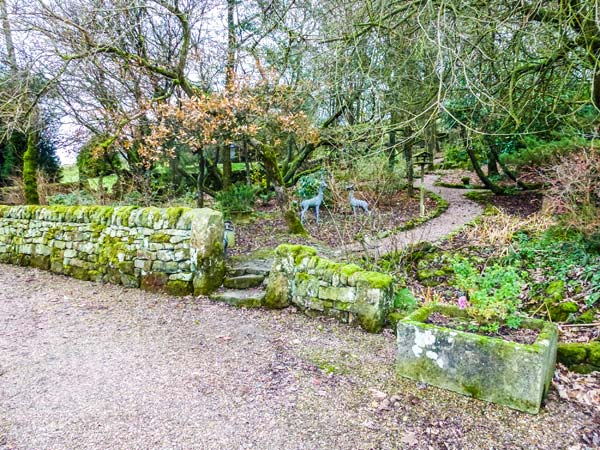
460 211
86 365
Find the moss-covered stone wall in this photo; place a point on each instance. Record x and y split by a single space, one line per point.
175 250
320 286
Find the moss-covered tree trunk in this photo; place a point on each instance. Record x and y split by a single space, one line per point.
492 164
477 167
30 162
432 142
284 203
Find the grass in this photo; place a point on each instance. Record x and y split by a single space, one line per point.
70 174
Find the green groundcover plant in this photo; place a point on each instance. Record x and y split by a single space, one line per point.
491 296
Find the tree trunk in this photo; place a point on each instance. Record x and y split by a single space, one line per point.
432 142
392 152
200 179
282 196
492 164
227 169
229 85
175 178
101 187
30 162
247 164
508 172
484 179
10 48
408 161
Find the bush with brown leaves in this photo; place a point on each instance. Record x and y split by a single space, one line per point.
574 190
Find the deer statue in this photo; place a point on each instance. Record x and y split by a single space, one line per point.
356 203
314 202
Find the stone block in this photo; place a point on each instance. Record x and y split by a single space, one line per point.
306 285
70 253
44 250
143 264
243 281
243 298
165 255
154 282
279 292
338 294
486 368
181 276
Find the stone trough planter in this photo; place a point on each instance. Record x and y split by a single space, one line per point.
486 368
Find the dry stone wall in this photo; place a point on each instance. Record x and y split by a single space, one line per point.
175 250
320 286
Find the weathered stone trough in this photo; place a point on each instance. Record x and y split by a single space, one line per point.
486 368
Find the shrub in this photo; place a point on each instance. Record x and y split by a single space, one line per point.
308 185
455 156
72 199
574 192
239 198
539 153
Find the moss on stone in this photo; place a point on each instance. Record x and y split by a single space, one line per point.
349 269
584 368
297 252
173 214
562 311
594 353
40 262
80 273
210 277
126 267
555 291
373 279
278 292
160 238
587 317
179 288
482 197
571 353
370 319
123 214
394 317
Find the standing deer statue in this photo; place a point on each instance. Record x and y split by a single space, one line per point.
314 202
356 203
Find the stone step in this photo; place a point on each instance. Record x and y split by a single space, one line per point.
253 267
245 298
243 281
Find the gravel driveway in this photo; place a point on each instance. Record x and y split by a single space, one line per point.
86 365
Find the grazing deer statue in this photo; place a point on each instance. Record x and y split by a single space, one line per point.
356 203
314 202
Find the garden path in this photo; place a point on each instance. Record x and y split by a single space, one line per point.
87 365
460 211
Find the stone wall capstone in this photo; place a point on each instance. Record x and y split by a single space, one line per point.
173 250
320 286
